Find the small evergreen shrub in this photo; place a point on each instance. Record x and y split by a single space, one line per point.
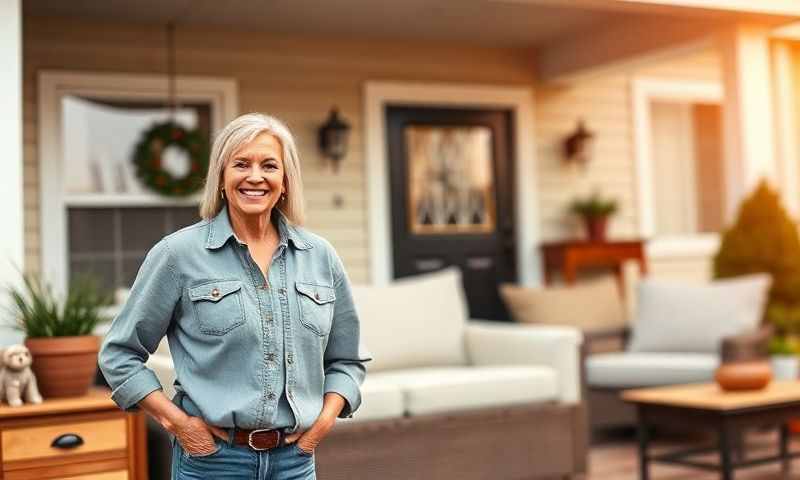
765 239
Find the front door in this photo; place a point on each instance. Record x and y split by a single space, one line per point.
452 198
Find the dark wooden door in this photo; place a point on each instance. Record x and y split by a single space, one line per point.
452 198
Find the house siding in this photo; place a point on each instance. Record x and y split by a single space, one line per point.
604 103
295 79
300 79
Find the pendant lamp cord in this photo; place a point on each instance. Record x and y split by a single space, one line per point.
173 103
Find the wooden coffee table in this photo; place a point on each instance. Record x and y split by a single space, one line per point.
708 408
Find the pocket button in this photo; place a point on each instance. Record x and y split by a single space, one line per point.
215 293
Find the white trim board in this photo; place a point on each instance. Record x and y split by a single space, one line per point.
645 90
12 241
516 99
221 93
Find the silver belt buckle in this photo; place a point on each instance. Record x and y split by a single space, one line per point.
250 438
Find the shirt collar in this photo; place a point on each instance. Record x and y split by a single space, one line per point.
220 230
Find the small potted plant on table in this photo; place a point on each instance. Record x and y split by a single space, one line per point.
784 346
595 211
59 334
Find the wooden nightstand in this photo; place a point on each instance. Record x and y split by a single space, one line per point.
112 443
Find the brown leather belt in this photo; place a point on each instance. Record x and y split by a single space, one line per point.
259 439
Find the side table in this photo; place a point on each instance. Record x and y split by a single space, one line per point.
84 438
568 257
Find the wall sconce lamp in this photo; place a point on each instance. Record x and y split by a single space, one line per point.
578 146
333 137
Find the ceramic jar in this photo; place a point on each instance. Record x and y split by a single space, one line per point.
744 375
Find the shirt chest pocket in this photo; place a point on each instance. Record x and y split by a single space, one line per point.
217 306
316 307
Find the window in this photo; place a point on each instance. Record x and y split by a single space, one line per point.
113 256
681 173
99 138
96 216
687 167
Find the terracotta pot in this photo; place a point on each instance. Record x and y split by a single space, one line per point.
747 375
596 228
64 366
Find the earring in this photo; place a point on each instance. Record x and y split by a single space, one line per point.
222 193
283 197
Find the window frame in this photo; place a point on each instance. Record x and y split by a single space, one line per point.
220 93
646 90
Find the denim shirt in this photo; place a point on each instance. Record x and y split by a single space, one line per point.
248 353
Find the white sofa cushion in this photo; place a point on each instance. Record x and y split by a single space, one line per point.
631 369
380 399
164 369
413 322
447 389
676 317
504 343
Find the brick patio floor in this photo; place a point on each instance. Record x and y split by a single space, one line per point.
618 460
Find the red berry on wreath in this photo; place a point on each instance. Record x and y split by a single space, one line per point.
177 134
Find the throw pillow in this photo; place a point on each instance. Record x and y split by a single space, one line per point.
676 317
592 305
414 321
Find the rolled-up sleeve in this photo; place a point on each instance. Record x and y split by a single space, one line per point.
344 361
139 327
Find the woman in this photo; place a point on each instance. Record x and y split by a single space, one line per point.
259 319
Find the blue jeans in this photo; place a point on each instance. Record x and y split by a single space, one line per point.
238 462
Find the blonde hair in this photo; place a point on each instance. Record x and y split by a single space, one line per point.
233 137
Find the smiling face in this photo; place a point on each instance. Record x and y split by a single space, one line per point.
253 177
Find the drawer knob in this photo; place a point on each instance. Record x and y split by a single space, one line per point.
67 441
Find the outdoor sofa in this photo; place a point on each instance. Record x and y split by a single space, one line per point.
446 397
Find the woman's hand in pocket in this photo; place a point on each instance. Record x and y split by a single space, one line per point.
197 437
309 440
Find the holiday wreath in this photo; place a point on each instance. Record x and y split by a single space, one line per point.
150 149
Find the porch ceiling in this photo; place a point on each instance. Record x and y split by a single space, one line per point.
499 23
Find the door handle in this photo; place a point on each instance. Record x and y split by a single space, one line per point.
480 263
428 264
67 441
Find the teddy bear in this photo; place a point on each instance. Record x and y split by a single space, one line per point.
16 377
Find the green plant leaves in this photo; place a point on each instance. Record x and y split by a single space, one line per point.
593 206
38 312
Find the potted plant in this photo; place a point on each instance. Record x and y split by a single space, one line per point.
594 210
59 334
783 358
784 347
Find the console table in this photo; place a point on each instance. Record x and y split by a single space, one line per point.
568 257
